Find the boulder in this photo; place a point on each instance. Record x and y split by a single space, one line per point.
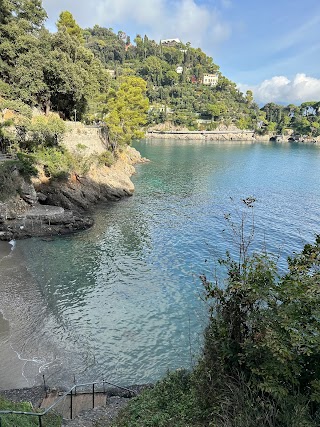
28 193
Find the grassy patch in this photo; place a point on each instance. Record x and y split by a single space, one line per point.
49 420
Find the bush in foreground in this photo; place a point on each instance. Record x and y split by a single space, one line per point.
260 364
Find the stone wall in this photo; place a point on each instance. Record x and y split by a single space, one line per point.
205 136
83 139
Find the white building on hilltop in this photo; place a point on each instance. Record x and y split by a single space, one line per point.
170 42
210 79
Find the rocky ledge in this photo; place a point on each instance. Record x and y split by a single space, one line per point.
41 220
45 208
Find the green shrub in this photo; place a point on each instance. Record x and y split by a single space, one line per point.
57 162
81 147
17 106
26 165
46 130
264 329
49 420
106 158
170 403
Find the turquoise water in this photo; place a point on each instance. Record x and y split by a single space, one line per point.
122 300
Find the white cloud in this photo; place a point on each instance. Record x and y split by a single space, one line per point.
140 11
302 35
280 89
200 24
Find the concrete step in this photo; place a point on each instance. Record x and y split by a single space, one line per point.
80 402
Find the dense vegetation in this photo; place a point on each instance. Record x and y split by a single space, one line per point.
84 74
49 420
174 77
303 119
261 357
182 99
47 78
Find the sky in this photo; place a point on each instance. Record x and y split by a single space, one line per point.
271 47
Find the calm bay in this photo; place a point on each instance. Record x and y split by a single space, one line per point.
122 301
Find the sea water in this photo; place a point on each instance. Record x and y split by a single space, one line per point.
122 301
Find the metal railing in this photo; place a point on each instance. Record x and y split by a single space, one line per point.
72 392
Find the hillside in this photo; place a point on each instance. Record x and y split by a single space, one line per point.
184 85
95 75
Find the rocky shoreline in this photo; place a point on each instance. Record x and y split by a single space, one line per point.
41 221
226 134
45 208
34 395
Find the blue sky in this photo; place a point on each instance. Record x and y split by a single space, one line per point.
271 47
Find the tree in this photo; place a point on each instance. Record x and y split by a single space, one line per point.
272 111
171 77
127 111
302 126
216 110
20 24
153 68
67 22
72 76
249 97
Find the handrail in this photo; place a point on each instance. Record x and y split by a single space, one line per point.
55 403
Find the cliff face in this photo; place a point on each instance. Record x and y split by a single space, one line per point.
44 207
79 193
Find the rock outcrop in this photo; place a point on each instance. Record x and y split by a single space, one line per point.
45 208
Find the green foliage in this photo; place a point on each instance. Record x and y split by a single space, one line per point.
46 130
72 75
127 111
106 158
5 89
157 65
49 420
6 136
106 46
185 119
19 28
26 165
171 402
264 335
67 22
17 106
303 120
49 71
272 126
59 163
244 123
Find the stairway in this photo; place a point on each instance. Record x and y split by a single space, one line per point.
90 405
80 402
